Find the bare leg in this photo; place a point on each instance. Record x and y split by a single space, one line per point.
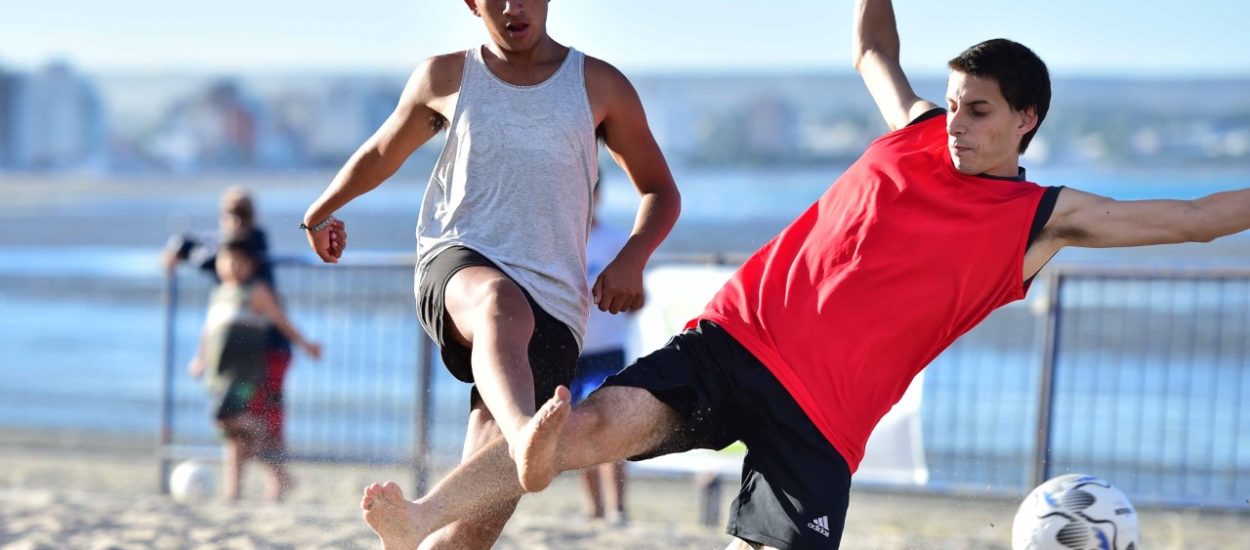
241 441
232 468
490 314
279 479
481 530
594 494
614 423
613 476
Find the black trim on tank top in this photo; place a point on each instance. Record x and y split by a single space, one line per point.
931 113
1045 207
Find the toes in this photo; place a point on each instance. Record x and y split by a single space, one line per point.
392 491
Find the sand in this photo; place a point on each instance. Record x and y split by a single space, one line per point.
72 490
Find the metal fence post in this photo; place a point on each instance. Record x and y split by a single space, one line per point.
425 396
1046 387
165 435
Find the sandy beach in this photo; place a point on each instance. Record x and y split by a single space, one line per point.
71 490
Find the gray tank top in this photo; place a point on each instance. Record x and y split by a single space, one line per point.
514 183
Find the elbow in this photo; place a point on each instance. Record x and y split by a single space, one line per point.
858 55
863 57
1203 224
1197 233
667 197
1200 236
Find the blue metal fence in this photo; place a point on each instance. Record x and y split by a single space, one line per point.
1149 379
1136 376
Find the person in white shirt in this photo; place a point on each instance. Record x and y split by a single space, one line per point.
603 354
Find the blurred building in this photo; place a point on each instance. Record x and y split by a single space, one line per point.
8 108
214 129
349 111
54 120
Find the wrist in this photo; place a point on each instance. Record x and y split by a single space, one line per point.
316 225
633 256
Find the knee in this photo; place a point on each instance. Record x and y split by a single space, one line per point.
503 300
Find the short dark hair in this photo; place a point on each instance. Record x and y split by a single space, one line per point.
241 246
1021 75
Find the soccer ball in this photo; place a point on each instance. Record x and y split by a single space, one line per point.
192 481
1075 512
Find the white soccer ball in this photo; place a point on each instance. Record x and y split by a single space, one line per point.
1075 512
192 481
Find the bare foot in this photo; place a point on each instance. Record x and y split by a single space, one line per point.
535 461
392 517
281 483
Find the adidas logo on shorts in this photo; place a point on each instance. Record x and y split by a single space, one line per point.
820 525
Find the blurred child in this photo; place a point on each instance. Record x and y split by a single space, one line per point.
232 358
238 221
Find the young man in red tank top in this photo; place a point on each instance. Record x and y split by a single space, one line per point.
470 306
822 329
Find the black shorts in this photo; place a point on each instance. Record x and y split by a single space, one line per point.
795 485
553 348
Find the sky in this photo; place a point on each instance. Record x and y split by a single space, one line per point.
1146 38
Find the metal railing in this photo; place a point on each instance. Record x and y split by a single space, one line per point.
1133 375
1148 374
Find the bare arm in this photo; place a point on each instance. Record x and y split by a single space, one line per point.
875 53
196 366
629 140
264 302
407 128
1088 220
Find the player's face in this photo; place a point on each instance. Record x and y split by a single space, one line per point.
515 25
983 131
230 223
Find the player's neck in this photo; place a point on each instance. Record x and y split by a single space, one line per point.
545 52
1006 169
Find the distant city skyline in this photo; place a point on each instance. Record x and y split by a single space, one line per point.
1077 38
59 119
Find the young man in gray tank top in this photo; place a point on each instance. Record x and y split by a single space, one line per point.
506 215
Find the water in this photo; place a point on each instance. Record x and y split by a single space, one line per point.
81 325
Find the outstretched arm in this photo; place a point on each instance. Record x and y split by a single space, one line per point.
633 147
407 128
875 52
1088 220
265 303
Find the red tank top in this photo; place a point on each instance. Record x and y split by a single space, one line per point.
901 256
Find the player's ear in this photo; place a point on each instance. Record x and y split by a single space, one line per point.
1028 120
472 4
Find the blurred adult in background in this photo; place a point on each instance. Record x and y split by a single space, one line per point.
603 354
237 222
501 238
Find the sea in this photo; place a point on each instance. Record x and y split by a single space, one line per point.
84 326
